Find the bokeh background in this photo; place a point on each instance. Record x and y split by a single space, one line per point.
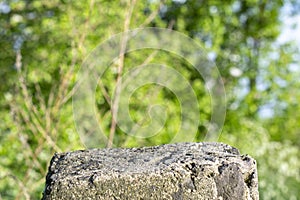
254 43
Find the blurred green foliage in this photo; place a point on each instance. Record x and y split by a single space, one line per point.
43 44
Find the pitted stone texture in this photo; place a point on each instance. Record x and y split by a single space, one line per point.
204 171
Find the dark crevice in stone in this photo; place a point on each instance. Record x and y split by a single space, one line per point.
91 179
222 167
249 179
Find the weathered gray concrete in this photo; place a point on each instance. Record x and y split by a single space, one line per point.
208 171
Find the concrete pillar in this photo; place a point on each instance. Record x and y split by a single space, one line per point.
204 171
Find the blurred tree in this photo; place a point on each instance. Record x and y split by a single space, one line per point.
44 42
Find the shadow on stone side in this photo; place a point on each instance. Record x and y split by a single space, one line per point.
208 171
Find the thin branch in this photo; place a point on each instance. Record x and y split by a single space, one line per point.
115 104
80 45
154 92
151 17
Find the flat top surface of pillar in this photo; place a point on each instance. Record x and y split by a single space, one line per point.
145 159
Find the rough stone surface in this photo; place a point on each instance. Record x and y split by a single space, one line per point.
205 171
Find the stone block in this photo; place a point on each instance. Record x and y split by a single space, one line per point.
204 171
